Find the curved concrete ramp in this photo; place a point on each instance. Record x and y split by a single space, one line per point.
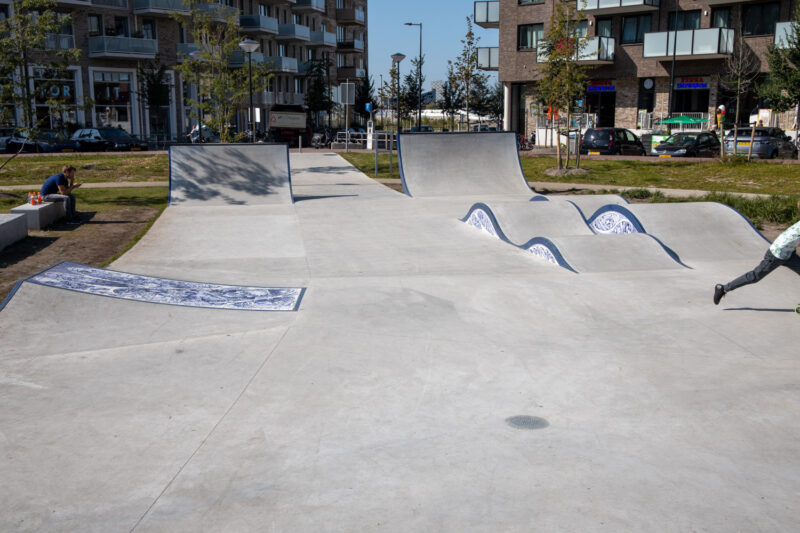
229 174
695 232
461 164
517 222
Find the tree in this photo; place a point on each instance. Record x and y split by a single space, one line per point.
411 90
782 88
450 102
365 94
465 67
563 78
480 94
496 104
740 72
154 93
318 95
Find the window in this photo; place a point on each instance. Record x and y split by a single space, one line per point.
528 36
297 19
263 10
582 29
149 29
95 25
120 28
687 20
282 50
634 28
181 33
721 17
604 27
760 19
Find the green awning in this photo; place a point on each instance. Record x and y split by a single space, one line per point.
683 120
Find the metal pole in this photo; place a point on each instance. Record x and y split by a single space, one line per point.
252 117
672 69
419 80
397 98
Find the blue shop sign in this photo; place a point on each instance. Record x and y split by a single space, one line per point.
688 83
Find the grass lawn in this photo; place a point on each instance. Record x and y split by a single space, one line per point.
91 168
100 200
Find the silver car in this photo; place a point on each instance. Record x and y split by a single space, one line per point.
768 143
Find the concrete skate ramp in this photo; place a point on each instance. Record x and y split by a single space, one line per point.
696 232
603 253
517 222
229 174
461 164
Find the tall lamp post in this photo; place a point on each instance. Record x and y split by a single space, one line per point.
419 74
396 59
250 46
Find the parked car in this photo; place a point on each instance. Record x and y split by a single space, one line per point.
422 129
44 141
5 135
104 139
611 141
688 144
480 127
768 143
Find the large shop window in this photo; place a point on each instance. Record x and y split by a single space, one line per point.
684 20
634 28
112 98
528 36
56 102
760 19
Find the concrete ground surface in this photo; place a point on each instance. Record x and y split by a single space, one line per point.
434 378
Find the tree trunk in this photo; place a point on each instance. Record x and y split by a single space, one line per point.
569 115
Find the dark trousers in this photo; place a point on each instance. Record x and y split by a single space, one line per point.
767 265
69 203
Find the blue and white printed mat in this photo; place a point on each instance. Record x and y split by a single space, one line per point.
91 280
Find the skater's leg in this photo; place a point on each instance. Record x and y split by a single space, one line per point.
767 265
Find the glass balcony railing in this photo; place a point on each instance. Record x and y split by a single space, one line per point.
350 16
688 43
617 6
488 58
595 50
122 47
282 64
294 32
239 58
111 3
783 31
257 23
350 73
310 5
322 38
159 6
354 46
487 14
217 11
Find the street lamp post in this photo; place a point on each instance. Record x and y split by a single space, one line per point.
396 59
250 46
419 74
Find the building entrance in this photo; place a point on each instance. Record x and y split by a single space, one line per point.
602 104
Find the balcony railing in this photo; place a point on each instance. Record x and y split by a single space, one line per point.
310 5
111 3
617 6
596 50
159 7
282 64
489 58
689 44
350 46
59 41
218 12
487 14
264 98
294 32
323 38
239 59
122 47
351 16
783 31
257 23
350 73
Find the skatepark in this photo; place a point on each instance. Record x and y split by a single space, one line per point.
295 347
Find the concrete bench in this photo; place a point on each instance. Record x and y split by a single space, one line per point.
41 215
13 228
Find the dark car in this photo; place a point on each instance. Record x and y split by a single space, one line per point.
45 141
768 143
422 129
688 144
611 141
105 139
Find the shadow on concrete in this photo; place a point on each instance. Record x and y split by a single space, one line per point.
759 309
323 197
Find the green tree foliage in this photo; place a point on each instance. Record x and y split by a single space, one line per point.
411 89
738 76
318 93
27 39
496 103
365 94
480 95
782 88
465 67
451 100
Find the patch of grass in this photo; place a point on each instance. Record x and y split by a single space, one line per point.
91 168
99 200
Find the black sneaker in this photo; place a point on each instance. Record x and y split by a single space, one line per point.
719 292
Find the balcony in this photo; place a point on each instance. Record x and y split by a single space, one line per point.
323 38
238 59
350 46
488 58
159 7
293 32
75 2
487 14
123 47
59 41
309 6
351 73
350 17
783 31
258 24
609 7
217 12
596 51
711 43
264 98
122 4
282 64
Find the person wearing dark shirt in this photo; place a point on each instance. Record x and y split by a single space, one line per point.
59 187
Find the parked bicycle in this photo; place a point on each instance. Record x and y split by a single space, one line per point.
523 143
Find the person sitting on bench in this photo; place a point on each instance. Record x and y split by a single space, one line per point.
59 187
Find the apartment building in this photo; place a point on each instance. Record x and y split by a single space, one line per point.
630 49
117 35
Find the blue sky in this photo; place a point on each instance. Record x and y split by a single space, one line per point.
443 27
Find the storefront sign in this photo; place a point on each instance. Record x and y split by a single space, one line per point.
692 83
54 88
112 93
600 86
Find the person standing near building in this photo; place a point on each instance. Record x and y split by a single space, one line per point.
779 253
59 187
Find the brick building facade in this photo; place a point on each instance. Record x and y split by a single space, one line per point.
630 49
116 35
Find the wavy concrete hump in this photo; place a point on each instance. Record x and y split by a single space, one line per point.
229 174
461 164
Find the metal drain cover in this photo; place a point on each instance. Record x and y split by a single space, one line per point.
527 422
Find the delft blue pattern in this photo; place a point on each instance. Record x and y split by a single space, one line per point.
540 250
479 219
612 222
126 286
